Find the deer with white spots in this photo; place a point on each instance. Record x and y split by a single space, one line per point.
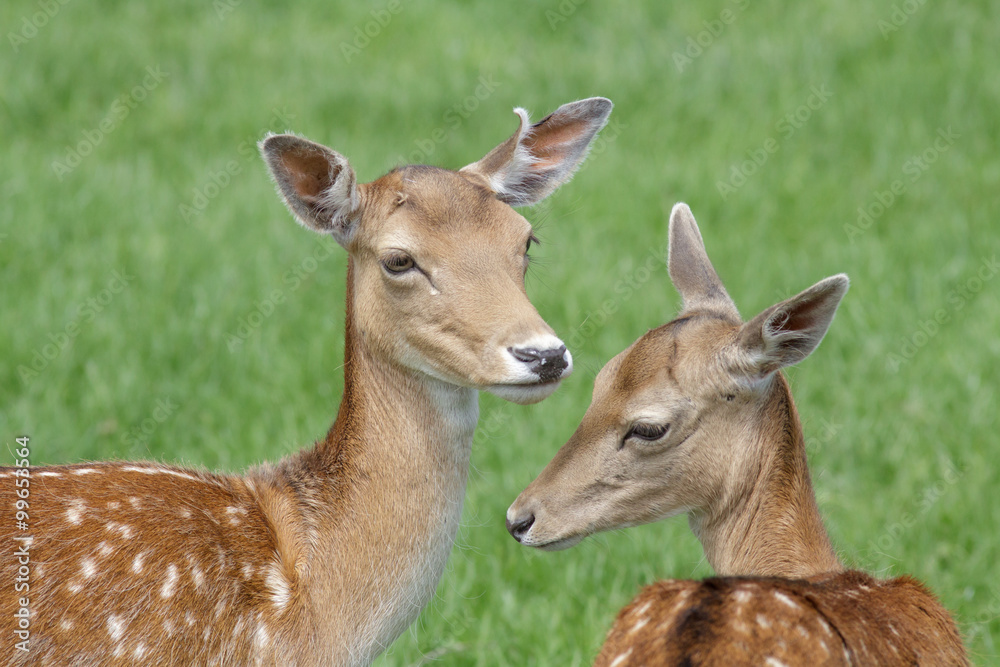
325 557
695 417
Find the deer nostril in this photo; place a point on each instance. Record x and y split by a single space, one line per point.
519 528
547 364
526 354
556 355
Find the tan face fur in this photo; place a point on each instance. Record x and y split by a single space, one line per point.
614 471
462 296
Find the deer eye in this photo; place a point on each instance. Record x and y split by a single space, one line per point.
531 239
398 263
647 432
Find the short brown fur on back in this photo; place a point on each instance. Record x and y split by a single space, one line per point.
848 618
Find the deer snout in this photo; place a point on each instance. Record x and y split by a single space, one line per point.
532 368
518 526
547 364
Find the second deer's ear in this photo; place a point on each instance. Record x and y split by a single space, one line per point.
690 269
788 332
317 184
539 158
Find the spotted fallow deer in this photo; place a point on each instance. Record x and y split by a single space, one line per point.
325 557
696 417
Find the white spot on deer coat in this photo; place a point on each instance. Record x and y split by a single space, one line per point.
85 471
261 637
137 562
75 512
114 526
116 627
159 471
88 568
171 583
278 585
638 626
643 609
197 575
784 599
622 658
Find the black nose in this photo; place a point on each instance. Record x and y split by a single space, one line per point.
547 364
518 528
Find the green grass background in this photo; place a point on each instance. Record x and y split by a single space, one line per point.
884 442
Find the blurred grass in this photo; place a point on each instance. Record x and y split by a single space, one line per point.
882 433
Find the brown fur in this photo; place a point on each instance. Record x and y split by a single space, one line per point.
848 618
325 557
732 458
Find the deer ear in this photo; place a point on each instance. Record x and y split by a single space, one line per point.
316 183
788 332
539 158
690 269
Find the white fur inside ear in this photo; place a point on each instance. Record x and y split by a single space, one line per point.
340 201
511 183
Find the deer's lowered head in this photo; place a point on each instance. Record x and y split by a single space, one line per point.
696 418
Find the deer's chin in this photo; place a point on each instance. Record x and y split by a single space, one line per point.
557 545
524 394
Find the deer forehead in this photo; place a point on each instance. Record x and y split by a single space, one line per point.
683 359
430 207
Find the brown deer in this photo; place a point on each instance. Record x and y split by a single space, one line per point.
325 557
696 417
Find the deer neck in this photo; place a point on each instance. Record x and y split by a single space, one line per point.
390 482
766 522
